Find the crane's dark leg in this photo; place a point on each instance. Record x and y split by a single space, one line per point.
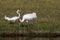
27 25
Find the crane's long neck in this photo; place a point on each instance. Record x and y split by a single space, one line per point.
22 20
18 13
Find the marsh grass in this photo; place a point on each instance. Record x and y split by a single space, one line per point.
48 14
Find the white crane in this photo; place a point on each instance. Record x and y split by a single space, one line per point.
13 19
28 17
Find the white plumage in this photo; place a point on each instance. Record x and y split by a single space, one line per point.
28 17
13 18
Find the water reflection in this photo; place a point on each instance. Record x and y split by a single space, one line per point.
28 38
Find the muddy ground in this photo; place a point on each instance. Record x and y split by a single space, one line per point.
30 34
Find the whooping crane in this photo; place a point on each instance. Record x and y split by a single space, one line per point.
13 18
28 17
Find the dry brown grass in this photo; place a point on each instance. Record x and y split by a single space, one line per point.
48 12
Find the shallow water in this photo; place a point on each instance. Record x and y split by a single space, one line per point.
28 38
